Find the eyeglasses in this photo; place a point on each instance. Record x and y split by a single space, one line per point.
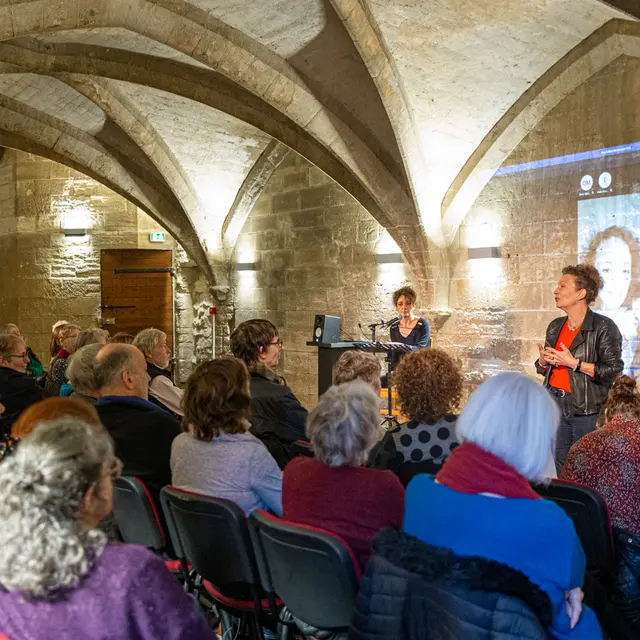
278 342
23 356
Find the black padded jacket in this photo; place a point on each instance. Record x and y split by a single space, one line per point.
414 591
599 341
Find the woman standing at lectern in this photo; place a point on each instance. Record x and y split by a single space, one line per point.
409 329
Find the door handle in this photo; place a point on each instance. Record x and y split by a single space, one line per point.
109 307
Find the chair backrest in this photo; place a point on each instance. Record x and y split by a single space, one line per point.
590 516
136 514
212 534
313 571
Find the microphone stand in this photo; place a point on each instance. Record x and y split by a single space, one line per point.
389 422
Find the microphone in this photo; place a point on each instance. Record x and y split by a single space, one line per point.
388 323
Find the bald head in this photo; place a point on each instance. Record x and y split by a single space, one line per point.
121 370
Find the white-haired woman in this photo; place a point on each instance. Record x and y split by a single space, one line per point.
334 491
481 502
58 576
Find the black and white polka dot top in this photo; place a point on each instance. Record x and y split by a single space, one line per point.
418 442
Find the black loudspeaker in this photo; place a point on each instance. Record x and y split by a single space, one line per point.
326 329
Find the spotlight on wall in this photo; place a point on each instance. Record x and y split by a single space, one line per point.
75 232
389 258
246 266
484 252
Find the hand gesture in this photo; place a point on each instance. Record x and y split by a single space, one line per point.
574 605
541 357
561 357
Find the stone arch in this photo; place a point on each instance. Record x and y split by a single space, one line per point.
215 90
615 38
248 194
26 129
235 56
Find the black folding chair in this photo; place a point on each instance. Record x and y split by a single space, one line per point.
313 571
590 516
212 534
139 521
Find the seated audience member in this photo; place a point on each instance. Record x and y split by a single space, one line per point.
162 391
429 387
81 373
608 460
54 345
88 337
34 367
481 503
358 365
142 432
7 441
53 409
59 578
18 390
277 418
122 338
217 455
334 491
91 336
67 336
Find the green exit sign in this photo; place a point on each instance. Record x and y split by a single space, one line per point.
156 236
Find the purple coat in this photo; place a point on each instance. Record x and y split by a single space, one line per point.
129 595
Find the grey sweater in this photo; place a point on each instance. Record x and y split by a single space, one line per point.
235 467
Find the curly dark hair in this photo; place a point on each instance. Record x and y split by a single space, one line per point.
587 278
217 399
429 385
249 336
407 292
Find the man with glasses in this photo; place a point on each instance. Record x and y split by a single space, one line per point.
18 390
277 417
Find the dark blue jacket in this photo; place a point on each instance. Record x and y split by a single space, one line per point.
414 591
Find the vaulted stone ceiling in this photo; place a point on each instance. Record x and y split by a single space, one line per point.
186 107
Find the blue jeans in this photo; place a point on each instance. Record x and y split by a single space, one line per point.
571 428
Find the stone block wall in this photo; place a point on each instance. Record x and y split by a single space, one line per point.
46 276
315 252
8 242
501 307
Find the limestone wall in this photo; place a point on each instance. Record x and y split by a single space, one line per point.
46 276
315 252
501 307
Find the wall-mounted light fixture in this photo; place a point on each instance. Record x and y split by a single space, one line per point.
75 232
389 258
246 266
476 253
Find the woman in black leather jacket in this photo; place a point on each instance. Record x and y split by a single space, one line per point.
581 357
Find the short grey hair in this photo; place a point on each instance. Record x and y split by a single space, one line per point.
345 424
8 344
43 545
89 336
108 368
81 370
147 340
8 328
514 418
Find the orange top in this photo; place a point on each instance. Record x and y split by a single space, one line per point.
560 375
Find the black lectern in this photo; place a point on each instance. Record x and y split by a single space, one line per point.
328 354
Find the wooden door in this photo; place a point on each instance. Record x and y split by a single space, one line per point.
137 291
